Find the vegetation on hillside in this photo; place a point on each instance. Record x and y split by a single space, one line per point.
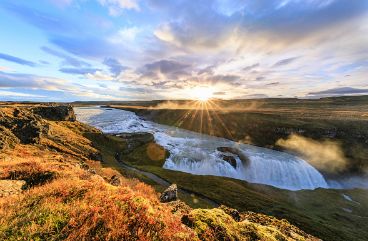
68 195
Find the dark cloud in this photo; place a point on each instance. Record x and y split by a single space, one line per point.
224 78
80 71
283 21
115 67
16 60
339 91
273 83
295 19
285 61
250 67
167 68
68 60
207 70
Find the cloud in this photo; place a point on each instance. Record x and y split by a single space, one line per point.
339 91
115 67
17 80
81 71
68 60
164 69
125 34
285 61
325 155
5 95
262 21
17 60
99 75
250 67
273 83
116 6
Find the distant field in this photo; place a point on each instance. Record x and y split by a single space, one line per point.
343 120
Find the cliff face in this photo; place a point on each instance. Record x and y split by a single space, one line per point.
52 187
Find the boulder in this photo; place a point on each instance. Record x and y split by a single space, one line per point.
230 159
11 187
233 151
170 194
55 113
115 181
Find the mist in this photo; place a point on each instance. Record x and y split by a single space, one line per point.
326 156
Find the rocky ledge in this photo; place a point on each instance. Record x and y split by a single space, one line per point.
26 125
229 154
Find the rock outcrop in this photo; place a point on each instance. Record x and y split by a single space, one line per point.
170 194
27 127
55 113
230 158
115 180
7 139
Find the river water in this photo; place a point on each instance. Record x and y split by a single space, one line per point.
196 153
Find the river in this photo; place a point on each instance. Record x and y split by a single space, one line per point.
197 153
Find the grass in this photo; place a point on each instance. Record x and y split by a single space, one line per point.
69 197
319 212
109 145
66 200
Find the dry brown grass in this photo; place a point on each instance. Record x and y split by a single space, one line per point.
73 203
68 196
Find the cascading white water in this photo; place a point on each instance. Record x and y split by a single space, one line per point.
197 154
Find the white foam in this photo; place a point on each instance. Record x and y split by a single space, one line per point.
195 153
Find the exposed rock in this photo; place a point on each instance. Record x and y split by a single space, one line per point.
10 187
56 113
136 139
233 151
27 127
230 159
170 194
232 212
115 181
7 139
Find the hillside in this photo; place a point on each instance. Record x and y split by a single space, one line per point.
54 186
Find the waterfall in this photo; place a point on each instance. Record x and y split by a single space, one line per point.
198 154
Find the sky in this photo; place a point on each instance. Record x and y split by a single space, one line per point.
68 50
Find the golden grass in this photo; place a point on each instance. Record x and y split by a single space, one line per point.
76 204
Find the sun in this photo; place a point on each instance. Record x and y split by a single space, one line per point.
202 93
